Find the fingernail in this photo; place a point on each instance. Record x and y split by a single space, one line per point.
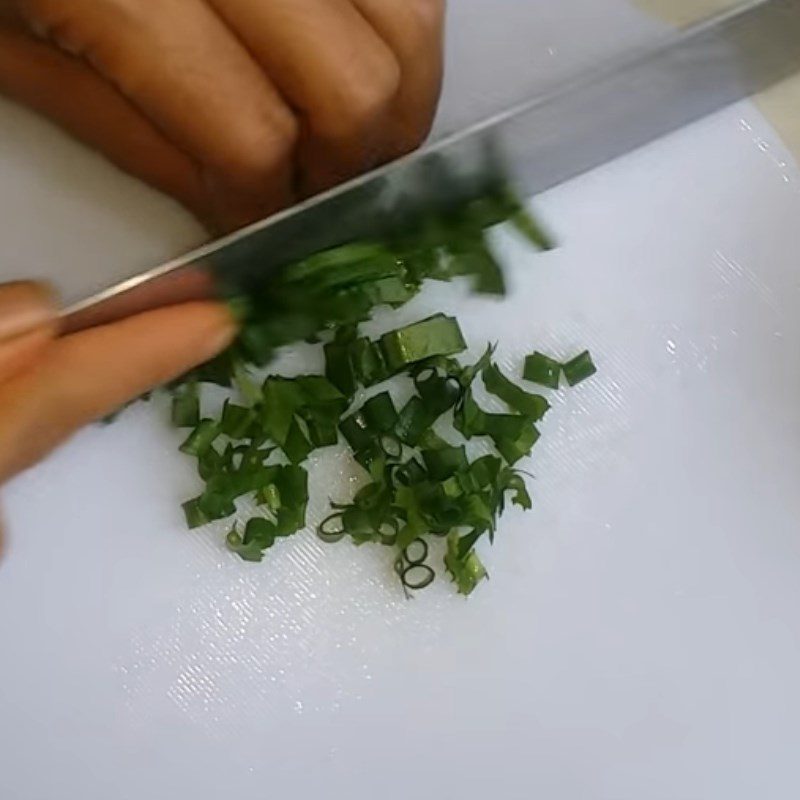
24 306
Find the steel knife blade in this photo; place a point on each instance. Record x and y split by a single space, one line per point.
537 144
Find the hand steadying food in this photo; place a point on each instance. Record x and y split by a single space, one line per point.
234 107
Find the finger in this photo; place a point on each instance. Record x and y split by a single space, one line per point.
77 99
414 31
27 323
333 68
185 71
88 375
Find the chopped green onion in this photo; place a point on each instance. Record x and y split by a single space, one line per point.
195 516
379 413
445 462
436 336
297 447
201 438
413 421
236 420
369 365
543 370
356 431
331 529
416 553
322 425
579 369
514 449
467 569
420 485
186 406
533 406
391 446
260 532
417 576
438 393
339 367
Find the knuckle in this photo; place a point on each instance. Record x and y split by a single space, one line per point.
365 99
258 153
429 14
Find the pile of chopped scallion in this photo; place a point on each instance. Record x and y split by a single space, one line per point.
420 484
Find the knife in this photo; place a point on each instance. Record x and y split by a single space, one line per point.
539 143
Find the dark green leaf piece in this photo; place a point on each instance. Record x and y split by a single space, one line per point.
186 406
201 438
195 516
543 370
379 413
413 421
466 568
445 462
436 336
579 369
533 406
236 420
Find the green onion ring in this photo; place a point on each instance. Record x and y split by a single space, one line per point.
328 535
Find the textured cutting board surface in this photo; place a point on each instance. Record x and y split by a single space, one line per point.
639 637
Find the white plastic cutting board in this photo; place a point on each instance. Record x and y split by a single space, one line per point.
640 636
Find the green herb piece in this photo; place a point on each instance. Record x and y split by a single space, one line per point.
322 425
195 516
236 420
527 225
297 447
201 438
243 381
348 265
438 393
331 529
579 369
259 535
417 576
390 291
410 473
216 505
475 258
369 365
292 482
379 413
282 398
339 367
466 569
356 431
514 482
269 496
533 406
523 221
413 421
210 462
436 336
445 462
513 449
186 406
543 370
391 446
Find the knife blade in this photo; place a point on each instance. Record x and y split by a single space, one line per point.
538 144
